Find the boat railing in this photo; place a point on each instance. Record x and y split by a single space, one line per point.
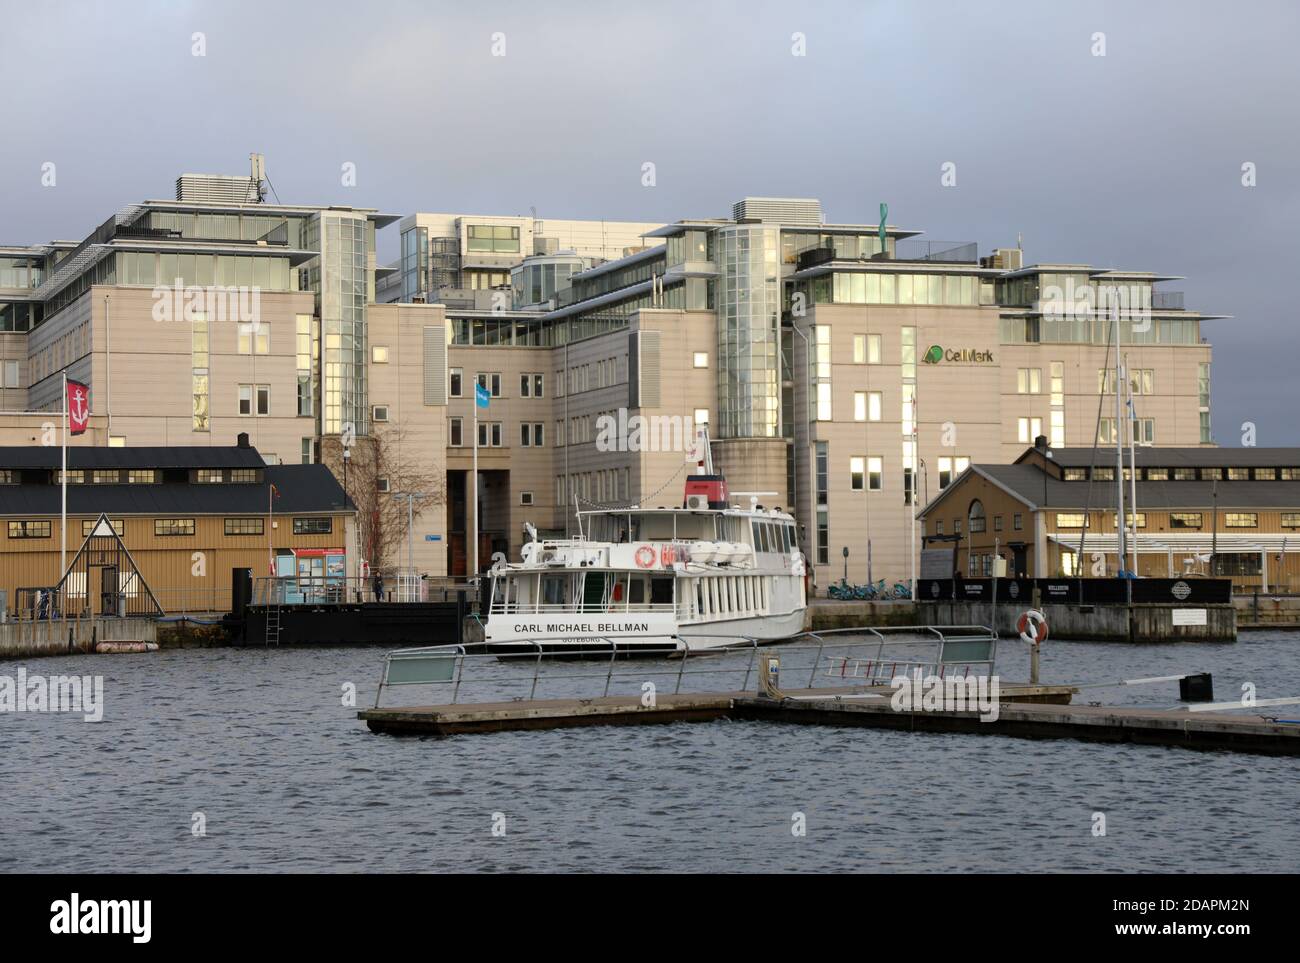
951 648
579 608
867 657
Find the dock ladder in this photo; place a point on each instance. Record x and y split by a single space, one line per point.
273 619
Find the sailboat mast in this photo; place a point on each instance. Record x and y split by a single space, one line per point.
1119 440
1133 469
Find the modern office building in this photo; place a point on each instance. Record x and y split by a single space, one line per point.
1227 512
448 257
838 367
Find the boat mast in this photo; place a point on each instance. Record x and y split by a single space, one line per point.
1133 469
1119 438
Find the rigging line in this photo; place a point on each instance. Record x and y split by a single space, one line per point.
587 501
1096 431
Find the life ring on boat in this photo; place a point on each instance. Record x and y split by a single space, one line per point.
645 557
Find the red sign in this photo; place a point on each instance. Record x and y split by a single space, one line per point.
78 407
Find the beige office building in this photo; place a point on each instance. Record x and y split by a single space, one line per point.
835 372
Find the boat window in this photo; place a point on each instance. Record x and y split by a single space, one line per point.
785 539
636 590
553 589
661 590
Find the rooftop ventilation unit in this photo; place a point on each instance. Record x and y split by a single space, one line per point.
801 211
224 188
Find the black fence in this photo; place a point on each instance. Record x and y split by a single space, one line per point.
1079 591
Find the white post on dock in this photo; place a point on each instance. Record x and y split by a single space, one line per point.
63 511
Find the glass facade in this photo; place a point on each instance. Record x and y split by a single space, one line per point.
339 278
748 306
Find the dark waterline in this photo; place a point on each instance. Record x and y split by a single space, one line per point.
288 780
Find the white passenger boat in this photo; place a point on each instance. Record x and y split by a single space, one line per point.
704 576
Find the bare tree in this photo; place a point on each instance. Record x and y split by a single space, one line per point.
384 459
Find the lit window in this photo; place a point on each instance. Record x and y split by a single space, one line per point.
379 353
701 359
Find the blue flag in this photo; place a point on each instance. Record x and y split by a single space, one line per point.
482 397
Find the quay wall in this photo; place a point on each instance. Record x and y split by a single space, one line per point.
23 639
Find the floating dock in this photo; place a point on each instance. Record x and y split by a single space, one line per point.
1043 719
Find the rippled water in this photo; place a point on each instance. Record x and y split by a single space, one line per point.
288 780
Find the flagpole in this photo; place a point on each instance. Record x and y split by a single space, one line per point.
473 572
1133 463
63 524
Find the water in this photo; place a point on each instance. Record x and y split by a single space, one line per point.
288 780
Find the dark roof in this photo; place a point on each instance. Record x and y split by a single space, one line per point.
302 489
1026 482
46 456
1156 457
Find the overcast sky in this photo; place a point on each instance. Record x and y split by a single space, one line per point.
1130 160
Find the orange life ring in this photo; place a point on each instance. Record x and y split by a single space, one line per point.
645 557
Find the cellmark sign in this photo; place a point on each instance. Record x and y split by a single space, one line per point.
938 352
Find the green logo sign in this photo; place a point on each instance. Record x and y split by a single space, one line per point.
937 353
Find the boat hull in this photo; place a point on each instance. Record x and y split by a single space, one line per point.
651 634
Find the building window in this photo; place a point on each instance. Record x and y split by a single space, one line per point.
701 416
1184 519
1141 519
255 338
165 527
1017 522
530 386
379 413
455 382
978 522
950 468
141 476
821 364
1069 520
107 476
822 487
381 485
313 526
1028 429
530 434
1029 381
456 433
29 529
857 470
867 405
306 451
379 353
88 526
492 381
875 473
1241 520
525 498
254 395
75 477
245 526
492 238
489 434
1291 519
208 476
701 359
866 349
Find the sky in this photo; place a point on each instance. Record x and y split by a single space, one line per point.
1124 150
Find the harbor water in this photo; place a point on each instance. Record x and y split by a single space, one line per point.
258 749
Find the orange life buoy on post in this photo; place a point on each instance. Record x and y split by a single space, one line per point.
645 557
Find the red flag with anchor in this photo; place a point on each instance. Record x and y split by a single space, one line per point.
78 407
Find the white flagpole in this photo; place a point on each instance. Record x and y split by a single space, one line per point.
473 572
1133 471
63 525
